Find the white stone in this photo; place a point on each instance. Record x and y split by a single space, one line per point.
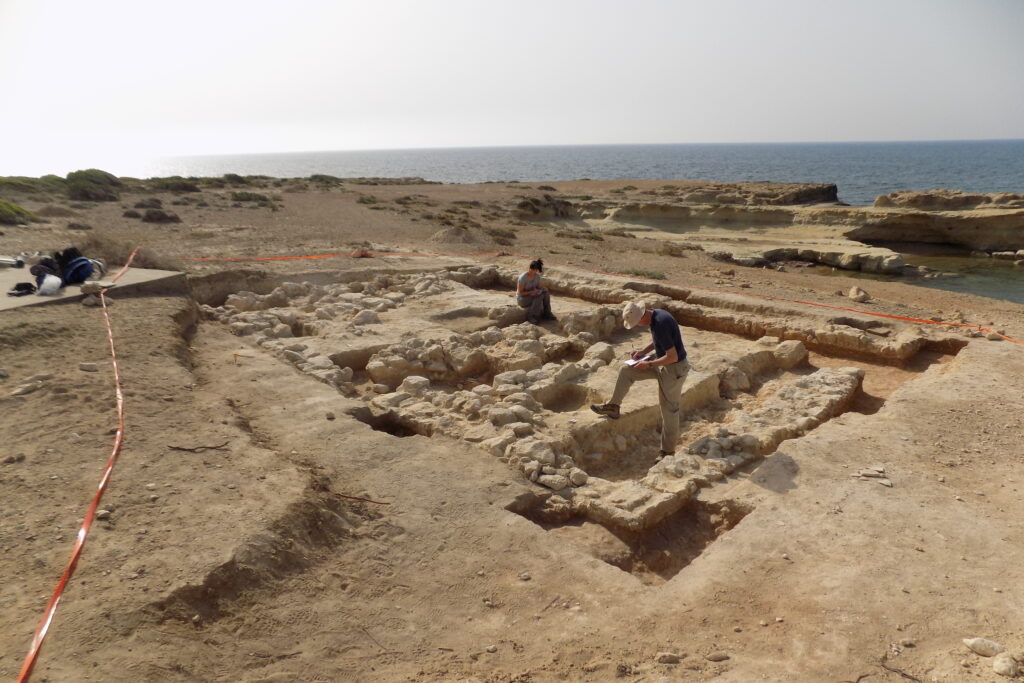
1005 665
499 416
414 384
984 647
88 367
578 477
601 350
365 317
521 429
668 658
555 482
789 354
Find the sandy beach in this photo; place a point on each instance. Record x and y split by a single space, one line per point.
294 504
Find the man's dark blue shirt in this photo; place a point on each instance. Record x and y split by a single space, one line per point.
665 331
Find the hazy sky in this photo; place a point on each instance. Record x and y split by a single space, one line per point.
109 82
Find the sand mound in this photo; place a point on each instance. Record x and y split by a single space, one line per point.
454 236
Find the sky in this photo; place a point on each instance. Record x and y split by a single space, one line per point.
108 83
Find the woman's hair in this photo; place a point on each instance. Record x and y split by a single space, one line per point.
537 265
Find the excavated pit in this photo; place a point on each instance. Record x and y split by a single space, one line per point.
444 353
389 423
654 555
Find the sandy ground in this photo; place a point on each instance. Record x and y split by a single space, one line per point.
236 550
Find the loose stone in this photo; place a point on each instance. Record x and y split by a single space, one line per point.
984 646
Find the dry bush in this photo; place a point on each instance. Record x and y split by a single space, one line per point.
115 252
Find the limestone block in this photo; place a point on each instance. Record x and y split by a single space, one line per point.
858 295
510 377
365 317
555 482
318 362
734 380
386 402
414 385
601 350
578 477
790 354
520 429
500 415
497 445
533 449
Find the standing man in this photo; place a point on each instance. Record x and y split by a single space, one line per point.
668 366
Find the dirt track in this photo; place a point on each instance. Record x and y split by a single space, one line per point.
243 560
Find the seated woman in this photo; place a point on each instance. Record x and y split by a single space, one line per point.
531 296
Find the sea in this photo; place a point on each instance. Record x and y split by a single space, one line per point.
861 171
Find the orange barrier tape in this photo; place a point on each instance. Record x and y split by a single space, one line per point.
876 314
83 531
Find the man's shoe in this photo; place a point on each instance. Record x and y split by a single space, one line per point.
549 316
606 410
665 454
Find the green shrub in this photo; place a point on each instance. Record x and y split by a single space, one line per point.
249 197
93 185
159 216
235 179
500 234
46 184
324 179
582 234
366 199
649 274
12 214
173 184
629 188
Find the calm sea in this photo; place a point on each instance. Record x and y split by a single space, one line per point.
861 170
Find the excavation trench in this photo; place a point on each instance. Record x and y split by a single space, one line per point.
653 555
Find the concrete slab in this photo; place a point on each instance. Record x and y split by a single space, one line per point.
134 281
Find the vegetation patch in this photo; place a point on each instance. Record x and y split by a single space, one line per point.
649 274
54 211
249 197
159 216
366 199
501 236
116 252
93 185
12 214
23 184
174 184
580 234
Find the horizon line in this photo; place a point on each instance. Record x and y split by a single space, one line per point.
589 144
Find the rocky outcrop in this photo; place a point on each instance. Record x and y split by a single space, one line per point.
950 200
545 208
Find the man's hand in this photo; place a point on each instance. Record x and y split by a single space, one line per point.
636 355
642 365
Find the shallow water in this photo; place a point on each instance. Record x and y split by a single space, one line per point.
981 276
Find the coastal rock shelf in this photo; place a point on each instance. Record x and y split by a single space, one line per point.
446 354
757 234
